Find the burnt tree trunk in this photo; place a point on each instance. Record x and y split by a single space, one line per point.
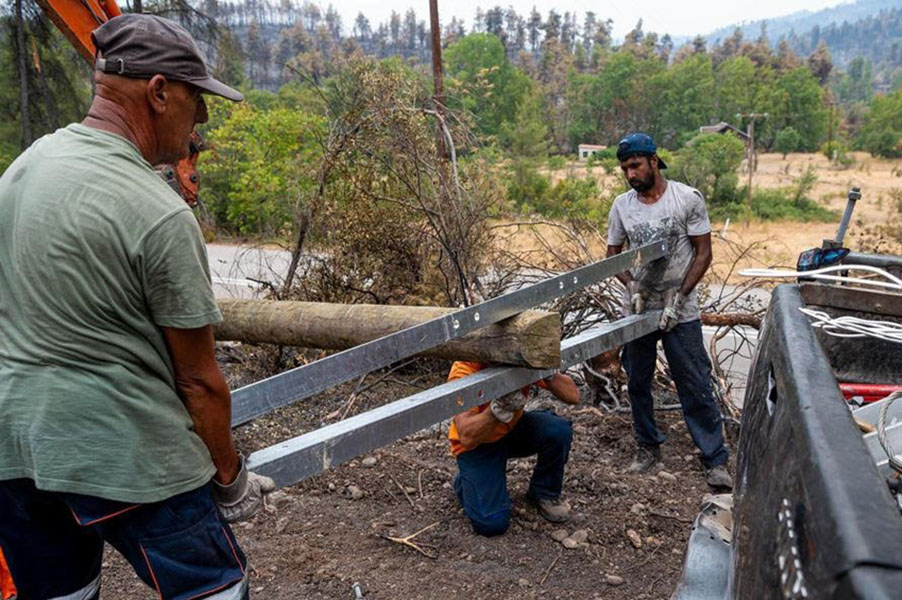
24 115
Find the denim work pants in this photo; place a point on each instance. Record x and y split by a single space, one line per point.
481 483
691 372
181 546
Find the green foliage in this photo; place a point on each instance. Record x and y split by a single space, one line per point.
791 203
570 198
779 204
738 88
882 132
838 153
787 140
483 82
798 103
8 154
260 166
557 162
526 186
686 99
527 134
57 81
709 163
601 103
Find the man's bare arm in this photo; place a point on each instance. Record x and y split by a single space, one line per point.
700 263
202 387
475 428
563 388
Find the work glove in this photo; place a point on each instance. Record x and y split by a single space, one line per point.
242 498
670 314
637 298
505 407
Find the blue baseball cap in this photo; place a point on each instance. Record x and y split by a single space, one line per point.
638 144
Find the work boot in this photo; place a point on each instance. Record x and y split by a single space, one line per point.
555 511
647 458
719 478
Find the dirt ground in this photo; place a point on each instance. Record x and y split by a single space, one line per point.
318 539
322 536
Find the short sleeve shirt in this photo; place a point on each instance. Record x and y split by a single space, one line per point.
97 254
678 214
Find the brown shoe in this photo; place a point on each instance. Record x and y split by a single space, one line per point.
647 458
719 478
555 511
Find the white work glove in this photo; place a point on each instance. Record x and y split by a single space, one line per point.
242 498
507 405
637 298
674 302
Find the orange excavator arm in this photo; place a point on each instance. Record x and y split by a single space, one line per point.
76 19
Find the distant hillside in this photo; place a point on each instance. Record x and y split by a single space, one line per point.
868 29
803 21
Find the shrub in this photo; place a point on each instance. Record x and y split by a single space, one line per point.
526 186
787 140
887 144
790 203
556 163
709 163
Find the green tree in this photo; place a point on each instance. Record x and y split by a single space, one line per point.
483 81
798 103
882 131
787 140
260 168
686 100
527 134
741 87
600 104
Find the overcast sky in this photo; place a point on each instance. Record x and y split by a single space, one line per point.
676 17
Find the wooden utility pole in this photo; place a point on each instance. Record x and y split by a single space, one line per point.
437 77
752 160
531 338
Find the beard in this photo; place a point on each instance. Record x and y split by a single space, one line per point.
642 185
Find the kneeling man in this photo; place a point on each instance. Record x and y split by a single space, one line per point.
484 437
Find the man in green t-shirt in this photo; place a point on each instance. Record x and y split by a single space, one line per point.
114 416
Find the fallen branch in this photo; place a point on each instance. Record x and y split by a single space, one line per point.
418 546
404 491
550 567
733 319
673 517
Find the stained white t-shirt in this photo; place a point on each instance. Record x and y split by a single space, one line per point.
679 213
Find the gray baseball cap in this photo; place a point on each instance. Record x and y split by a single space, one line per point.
141 46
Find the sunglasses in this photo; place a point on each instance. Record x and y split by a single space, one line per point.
813 259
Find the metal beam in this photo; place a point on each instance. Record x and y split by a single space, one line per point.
312 453
280 390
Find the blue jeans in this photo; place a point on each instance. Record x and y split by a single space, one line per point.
181 546
691 372
481 482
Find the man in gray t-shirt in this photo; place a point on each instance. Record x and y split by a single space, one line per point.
657 209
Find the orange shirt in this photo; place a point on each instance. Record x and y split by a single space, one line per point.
7 587
462 369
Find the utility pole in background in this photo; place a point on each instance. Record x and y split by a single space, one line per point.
437 77
752 160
